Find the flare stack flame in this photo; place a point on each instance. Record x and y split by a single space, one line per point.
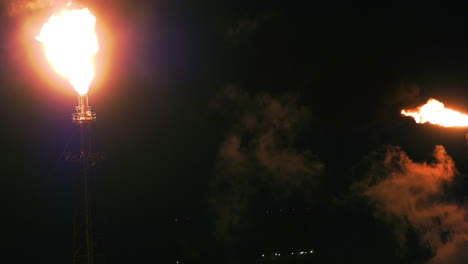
435 113
70 43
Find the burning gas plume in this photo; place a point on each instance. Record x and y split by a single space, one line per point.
70 43
435 113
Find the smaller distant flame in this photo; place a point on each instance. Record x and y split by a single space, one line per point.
435 113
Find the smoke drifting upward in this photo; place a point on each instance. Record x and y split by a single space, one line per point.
19 7
258 151
414 193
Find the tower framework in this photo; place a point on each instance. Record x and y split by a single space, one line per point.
83 241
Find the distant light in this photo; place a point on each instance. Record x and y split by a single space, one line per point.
311 251
279 254
263 255
292 253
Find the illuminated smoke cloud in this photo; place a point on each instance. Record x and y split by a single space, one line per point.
20 7
414 193
258 150
246 27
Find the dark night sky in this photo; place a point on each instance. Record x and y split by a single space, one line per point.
227 116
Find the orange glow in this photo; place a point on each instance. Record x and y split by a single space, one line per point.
70 43
435 113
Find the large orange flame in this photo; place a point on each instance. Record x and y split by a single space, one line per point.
435 113
70 43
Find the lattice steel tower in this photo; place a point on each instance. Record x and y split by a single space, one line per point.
83 236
